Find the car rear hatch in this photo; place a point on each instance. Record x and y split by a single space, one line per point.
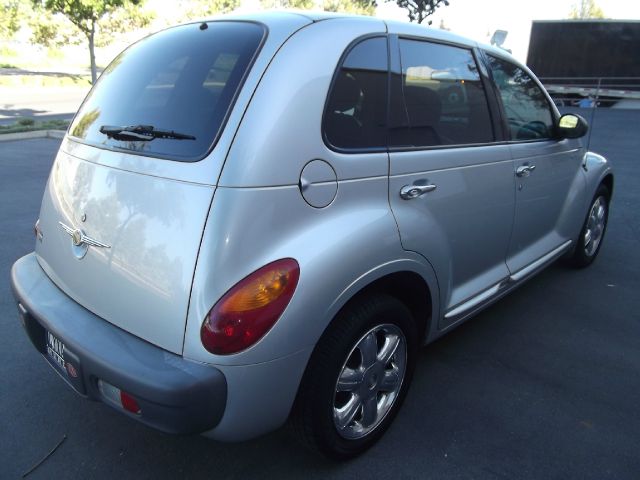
129 193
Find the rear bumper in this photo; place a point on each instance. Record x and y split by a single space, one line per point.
175 395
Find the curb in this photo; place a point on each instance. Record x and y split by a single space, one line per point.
9 137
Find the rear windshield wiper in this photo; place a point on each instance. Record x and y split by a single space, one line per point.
141 133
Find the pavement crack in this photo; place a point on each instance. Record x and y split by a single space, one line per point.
64 437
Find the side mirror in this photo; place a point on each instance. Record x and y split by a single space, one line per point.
572 126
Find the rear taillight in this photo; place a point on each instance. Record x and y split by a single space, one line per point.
247 311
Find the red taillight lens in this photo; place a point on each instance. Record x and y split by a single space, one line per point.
129 403
118 398
247 311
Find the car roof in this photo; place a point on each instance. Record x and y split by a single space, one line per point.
272 17
415 29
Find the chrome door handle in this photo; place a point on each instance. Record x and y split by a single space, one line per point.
414 191
525 170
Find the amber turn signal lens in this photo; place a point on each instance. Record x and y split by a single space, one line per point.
259 292
249 310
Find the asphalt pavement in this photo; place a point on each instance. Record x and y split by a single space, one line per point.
545 384
40 103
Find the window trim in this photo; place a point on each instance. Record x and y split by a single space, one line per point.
354 43
495 107
555 115
223 123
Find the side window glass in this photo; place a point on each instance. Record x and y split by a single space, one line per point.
356 113
445 102
526 107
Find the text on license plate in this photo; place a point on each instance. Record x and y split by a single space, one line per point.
55 350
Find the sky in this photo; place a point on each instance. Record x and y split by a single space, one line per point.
478 19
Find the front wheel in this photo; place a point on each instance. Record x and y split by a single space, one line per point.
593 230
357 377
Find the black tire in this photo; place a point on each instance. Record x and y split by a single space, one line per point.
584 254
312 417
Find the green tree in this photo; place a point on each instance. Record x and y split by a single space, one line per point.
132 16
86 15
299 4
363 7
52 30
192 9
11 15
586 9
418 10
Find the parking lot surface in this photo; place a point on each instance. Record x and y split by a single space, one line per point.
545 384
40 103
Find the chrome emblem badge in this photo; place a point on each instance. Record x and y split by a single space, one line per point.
79 238
76 236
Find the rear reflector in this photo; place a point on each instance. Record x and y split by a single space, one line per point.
118 398
129 403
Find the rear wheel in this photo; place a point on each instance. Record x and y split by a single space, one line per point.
593 230
357 377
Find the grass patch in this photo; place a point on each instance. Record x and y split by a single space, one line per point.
45 81
30 125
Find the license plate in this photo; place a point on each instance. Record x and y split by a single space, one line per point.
55 351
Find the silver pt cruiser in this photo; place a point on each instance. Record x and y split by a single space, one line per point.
261 218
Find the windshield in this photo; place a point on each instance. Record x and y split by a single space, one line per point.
183 79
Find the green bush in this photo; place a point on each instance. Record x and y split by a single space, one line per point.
32 125
6 51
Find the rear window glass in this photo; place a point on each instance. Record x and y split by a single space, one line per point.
177 83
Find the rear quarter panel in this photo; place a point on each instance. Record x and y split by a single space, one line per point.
340 249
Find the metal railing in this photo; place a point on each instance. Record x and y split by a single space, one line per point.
593 91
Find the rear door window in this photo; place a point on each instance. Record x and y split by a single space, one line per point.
182 80
443 95
356 113
526 107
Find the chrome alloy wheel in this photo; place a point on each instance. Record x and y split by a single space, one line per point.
370 381
595 226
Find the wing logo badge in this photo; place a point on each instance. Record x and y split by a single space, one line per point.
79 238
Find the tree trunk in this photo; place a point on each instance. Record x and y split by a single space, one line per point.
92 53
